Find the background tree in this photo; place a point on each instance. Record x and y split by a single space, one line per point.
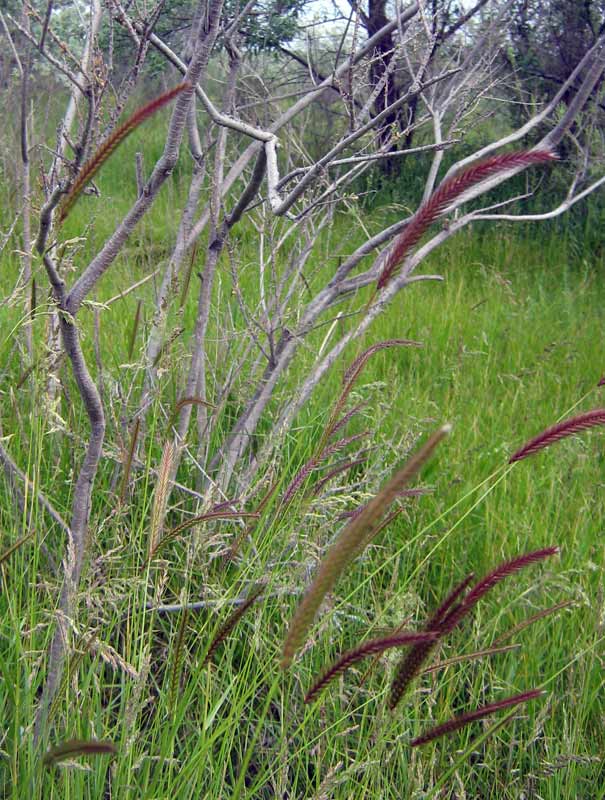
548 39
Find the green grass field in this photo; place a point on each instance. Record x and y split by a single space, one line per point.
512 342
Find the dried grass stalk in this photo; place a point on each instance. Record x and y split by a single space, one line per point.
418 491
354 370
477 654
188 401
346 417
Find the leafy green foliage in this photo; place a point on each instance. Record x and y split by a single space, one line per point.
272 23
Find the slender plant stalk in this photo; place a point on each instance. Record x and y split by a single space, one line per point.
461 659
135 328
129 459
546 612
210 515
249 529
25 375
568 427
450 600
378 529
80 650
348 543
417 492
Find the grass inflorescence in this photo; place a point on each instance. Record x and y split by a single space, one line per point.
450 190
94 164
465 719
372 647
562 430
348 544
453 610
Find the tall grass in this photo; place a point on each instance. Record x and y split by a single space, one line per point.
509 348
